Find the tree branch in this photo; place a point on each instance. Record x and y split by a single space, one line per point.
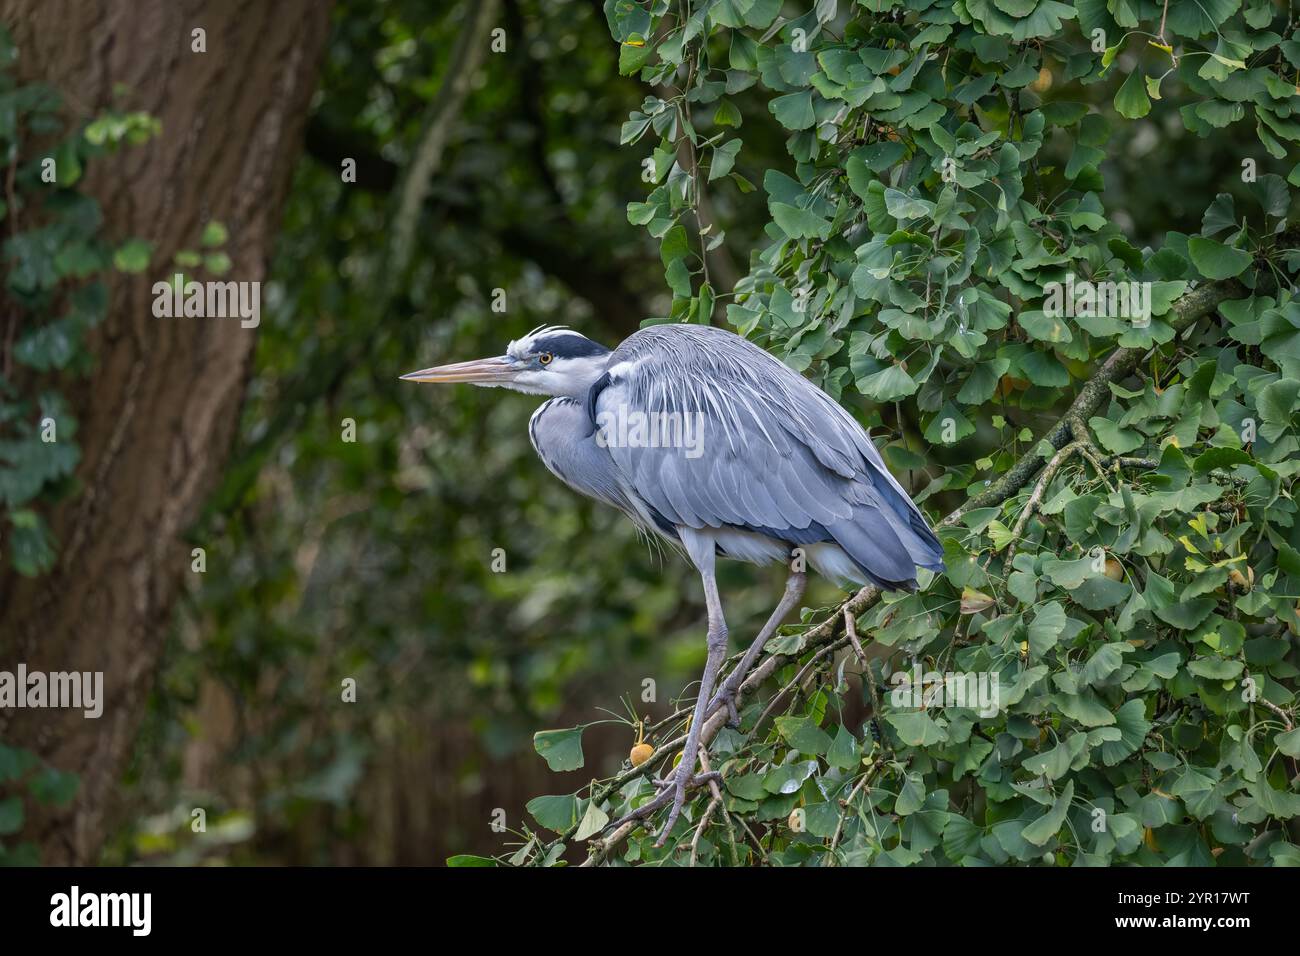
1188 308
437 128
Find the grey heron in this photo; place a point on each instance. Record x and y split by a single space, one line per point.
708 441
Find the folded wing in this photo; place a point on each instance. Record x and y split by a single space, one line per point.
712 431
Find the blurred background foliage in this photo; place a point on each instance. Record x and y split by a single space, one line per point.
372 559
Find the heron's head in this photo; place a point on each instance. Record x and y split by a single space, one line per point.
547 361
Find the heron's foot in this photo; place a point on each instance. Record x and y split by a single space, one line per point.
726 696
673 789
698 780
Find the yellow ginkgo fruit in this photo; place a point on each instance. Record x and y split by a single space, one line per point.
1244 582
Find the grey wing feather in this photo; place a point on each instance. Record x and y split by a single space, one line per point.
772 452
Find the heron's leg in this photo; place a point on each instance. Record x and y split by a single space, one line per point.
717 643
684 777
701 547
794 588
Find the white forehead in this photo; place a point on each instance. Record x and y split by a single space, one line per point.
518 348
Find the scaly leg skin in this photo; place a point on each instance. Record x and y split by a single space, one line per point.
685 777
726 696
701 550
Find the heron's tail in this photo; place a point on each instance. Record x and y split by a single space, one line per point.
889 546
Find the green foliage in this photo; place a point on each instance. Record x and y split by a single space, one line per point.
562 749
54 292
1135 600
27 782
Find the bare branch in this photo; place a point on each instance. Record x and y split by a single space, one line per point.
437 127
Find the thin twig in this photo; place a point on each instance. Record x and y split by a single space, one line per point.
699 829
1123 461
708 812
1036 497
798 679
1282 714
1089 451
839 826
851 629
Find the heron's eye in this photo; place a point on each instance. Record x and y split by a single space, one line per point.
545 358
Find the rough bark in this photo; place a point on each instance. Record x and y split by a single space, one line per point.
157 415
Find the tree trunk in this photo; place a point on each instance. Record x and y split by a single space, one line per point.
158 413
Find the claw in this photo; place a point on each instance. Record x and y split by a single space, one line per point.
699 780
679 788
679 798
673 789
726 695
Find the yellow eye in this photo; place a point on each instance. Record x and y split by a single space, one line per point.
545 358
